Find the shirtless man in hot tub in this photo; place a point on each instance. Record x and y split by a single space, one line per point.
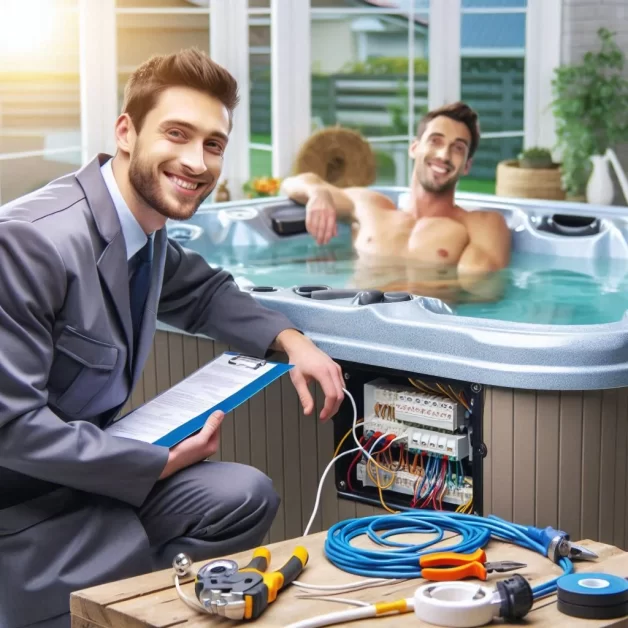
433 247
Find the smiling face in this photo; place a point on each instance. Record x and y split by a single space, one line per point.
441 154
176 159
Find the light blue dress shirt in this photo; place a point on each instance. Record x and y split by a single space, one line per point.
134 236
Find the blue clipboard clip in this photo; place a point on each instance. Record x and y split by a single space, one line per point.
247 361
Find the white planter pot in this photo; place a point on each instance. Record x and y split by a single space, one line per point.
600 190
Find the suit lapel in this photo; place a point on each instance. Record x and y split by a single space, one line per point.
114 271
113 266
112 263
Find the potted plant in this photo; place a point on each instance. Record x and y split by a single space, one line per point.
590 107
532 175
536 158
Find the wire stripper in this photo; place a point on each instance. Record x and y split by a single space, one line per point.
445 566
247 592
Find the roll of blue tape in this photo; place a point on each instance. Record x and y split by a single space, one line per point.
592 589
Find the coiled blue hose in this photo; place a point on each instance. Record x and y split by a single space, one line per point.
401 560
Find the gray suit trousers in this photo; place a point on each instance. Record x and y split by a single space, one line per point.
210 509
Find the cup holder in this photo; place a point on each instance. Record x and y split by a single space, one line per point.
570 226
396 297
306 291
184 234
262 289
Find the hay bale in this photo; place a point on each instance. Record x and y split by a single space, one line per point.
339 156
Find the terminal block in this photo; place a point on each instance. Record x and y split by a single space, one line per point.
454 446
406 483
410 405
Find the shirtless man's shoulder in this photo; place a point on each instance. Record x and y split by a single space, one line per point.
487 218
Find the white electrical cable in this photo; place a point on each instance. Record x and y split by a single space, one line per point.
358 584
329 598
340 617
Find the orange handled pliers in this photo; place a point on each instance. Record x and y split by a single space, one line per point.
445 566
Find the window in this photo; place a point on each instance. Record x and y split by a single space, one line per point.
148 27
40 113
260 150
362 73
370 65
492 65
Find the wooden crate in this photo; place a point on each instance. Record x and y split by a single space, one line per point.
151 601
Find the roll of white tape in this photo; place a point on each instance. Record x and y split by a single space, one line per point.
456 604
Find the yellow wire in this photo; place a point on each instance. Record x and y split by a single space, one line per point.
380 487
392 473
417 386
383 503
461 399
344 438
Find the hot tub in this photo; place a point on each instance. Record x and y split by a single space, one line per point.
548 360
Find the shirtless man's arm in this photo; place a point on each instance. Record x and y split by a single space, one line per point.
325 203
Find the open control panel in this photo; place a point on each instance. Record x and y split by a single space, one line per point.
421 441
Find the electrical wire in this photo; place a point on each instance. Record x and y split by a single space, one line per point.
401 562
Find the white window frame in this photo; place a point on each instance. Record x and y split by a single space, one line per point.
229 46
291 83
542 57
291 73
443 84
98 64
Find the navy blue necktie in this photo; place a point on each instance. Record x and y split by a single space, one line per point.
140 282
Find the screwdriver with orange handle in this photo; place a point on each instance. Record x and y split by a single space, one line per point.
446 566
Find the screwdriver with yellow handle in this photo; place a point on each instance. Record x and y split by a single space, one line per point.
246 593
445 566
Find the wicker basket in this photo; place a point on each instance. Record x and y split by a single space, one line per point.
339 156
518 182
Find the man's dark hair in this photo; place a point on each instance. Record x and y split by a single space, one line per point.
460 112
187 68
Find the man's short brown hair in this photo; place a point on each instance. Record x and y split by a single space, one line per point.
460 112
187 68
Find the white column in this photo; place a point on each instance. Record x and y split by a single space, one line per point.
444 53
98 76
291 107
229 46
543 39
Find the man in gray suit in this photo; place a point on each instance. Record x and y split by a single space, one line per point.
86 268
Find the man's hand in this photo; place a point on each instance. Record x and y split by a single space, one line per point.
310 363
320 216
195 448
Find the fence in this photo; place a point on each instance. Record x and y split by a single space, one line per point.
377 105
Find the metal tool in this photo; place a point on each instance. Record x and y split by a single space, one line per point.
247 592
221 566
557 545
445 566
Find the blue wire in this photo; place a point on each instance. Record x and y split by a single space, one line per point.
402 561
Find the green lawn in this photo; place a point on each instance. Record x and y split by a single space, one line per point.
261 165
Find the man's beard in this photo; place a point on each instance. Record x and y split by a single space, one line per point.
436 188
147 185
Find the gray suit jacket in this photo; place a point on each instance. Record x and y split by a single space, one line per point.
67 364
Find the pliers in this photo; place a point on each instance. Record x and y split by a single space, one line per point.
459 566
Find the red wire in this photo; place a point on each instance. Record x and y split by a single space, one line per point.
355 461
